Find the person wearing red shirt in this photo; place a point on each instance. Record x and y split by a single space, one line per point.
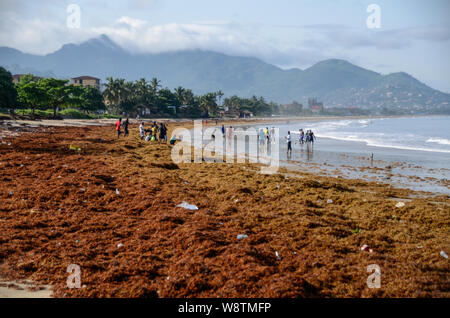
118 123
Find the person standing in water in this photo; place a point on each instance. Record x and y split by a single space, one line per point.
261 136
125 128
311 137
118 123
272 135
289 144
223 130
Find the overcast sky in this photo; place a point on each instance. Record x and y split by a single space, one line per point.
414 36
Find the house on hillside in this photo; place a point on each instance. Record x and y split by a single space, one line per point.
17 78
86 81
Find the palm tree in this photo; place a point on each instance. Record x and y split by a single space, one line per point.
220 94
179 93
208 104
155 84
143 96
111 94
188 97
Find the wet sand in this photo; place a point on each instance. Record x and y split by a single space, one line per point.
304 232
23 289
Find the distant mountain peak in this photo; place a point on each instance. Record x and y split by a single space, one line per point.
103 41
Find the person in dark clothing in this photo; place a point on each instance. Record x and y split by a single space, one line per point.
163 132
125 128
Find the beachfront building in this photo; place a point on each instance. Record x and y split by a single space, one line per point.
86 81
314 105
18 77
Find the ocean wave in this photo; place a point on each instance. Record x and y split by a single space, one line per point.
377 143
441 141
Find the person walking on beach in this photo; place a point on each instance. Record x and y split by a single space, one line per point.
125 128
142 130
162 133
118 123
223 130
289 144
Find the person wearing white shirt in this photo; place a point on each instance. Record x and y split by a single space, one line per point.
289 143
141 130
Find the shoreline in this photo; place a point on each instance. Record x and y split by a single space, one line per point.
240 121
30 125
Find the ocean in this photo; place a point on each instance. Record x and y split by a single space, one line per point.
413 152
431 134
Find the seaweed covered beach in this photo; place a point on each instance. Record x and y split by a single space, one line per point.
110 206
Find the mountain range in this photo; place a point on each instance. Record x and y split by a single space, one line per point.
337 83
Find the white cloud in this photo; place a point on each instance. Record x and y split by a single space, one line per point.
285 46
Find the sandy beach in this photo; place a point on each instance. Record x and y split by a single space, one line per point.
111 208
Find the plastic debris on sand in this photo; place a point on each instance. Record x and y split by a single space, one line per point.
400 205
187 206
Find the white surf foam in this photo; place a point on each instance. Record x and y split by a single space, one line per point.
378 143
441 141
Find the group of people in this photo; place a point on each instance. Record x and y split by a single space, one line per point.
153 132
307 137
150 134
266 135
119 124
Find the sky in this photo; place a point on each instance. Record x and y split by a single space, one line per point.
413 35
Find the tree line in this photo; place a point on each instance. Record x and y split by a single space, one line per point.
121 97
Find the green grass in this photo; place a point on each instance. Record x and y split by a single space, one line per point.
67 113
75 114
